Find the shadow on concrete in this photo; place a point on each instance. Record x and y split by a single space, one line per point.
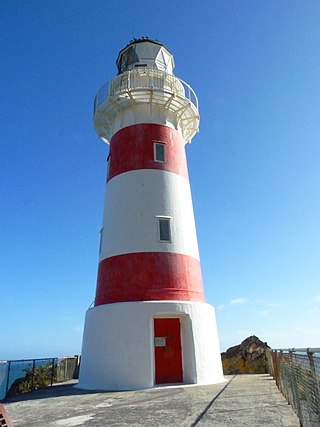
69 388
57 390
207 408
243 400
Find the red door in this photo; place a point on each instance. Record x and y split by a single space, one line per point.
167 350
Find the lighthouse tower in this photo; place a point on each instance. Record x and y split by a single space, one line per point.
150 323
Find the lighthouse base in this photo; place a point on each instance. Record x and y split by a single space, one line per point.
138 345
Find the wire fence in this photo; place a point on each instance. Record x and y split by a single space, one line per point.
297 375
21 376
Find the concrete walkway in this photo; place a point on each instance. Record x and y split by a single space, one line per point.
243 400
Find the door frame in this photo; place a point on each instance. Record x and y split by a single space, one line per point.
170 316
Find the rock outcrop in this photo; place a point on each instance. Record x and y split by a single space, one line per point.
249 357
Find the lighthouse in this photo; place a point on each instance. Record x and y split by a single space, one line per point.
150 323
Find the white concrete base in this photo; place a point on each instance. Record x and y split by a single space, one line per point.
118 345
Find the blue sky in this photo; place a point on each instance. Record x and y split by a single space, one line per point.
254 165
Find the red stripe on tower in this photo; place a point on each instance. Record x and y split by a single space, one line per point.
148 276
133 148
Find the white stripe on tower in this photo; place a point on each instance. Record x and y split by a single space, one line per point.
135 264
135 200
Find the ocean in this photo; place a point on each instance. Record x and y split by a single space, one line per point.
16 369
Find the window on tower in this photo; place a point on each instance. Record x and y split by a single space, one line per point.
159 152
101 236
108 166
164 229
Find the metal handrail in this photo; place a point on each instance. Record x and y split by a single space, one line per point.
91 305
29 360
145 78
299 350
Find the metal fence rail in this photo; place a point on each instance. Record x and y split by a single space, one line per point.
297 375
20 376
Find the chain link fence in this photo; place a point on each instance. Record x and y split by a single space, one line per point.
297 375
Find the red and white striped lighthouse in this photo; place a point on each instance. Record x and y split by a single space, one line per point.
150 323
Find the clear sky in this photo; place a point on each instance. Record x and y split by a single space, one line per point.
254 166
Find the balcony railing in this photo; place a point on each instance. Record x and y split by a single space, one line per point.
147 79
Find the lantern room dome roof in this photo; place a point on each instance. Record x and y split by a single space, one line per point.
145 53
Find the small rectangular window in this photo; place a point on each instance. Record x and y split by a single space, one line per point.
108 166
159 152
164 229
101 236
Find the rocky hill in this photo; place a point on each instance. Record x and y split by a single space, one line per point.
249 357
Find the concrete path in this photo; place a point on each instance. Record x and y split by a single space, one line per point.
243 400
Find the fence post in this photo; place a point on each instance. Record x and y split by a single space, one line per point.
8 376
33 370
294 385
315 382
284 374
52 372
275 360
